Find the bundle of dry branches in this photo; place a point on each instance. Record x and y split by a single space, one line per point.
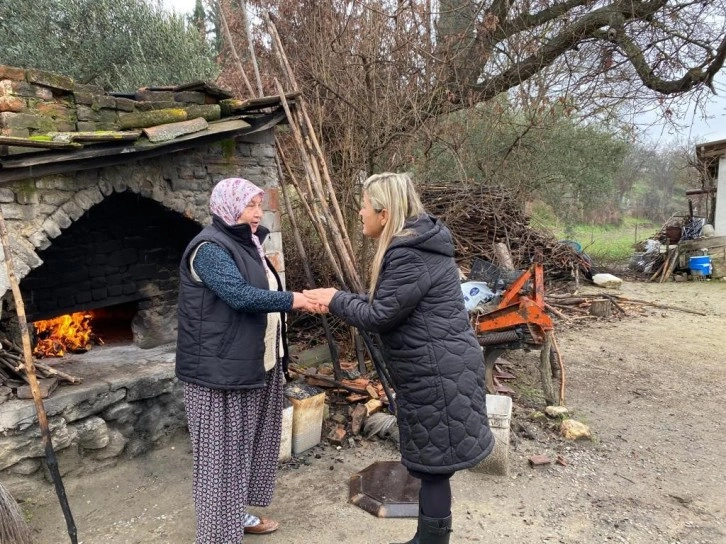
13 372
568 307
480 217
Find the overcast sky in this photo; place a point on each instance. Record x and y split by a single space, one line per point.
180 6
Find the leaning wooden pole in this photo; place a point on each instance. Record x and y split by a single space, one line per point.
34 386
314 163
296 232
228 35
313 218
309 273
345 256
311 141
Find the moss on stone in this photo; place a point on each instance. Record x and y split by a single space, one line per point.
25 190
228 148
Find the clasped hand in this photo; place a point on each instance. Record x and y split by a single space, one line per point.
320 296
300 301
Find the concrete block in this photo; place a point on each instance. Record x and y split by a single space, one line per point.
499 410
286 441
307 419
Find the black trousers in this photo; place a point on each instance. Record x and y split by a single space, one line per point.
434 498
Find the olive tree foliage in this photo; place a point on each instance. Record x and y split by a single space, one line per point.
572 167
659 186
121 46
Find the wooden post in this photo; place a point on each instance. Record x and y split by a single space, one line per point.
561 366
34 386
545 370
323 207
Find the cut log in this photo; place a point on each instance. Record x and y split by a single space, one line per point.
601 308
145 119
141 119
545 370
372 391
504 258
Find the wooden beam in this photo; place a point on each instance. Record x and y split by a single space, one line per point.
38 144
98 136
127 149
234 105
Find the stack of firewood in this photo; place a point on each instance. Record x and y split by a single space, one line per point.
13 375
479 217
359 397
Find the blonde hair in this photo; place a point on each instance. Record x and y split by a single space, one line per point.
396 194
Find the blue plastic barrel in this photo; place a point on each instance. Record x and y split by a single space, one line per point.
700 265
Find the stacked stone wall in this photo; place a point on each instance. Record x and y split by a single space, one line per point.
37 211
130 410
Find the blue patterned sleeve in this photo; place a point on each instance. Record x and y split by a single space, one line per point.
217 269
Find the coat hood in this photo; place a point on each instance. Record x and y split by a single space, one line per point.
425 233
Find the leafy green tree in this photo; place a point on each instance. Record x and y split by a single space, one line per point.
659 192
206 20
118 45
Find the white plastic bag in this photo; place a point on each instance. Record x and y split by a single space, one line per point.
475 293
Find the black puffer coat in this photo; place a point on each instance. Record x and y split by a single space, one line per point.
430 349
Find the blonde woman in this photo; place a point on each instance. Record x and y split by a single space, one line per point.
435 363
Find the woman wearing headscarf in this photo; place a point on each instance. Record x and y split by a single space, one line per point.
230 355
434 360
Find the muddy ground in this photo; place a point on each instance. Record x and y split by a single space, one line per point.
651 386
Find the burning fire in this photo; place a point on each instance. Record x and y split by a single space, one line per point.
70 332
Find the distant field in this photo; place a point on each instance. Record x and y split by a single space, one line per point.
605 243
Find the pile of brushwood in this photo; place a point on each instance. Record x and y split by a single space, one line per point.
480 217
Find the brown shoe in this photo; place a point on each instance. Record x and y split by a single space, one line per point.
263 527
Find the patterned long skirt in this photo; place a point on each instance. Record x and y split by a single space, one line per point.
236 447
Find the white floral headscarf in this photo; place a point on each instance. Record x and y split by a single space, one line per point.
230 198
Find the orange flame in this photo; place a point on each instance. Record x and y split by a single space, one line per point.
70 332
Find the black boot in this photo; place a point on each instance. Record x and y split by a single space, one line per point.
432 530
414 540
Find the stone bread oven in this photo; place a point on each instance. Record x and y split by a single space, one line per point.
99 211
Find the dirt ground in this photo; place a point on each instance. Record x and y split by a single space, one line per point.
650 386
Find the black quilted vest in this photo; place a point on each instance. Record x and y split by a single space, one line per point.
217 346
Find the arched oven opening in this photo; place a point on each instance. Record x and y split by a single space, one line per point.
111 277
